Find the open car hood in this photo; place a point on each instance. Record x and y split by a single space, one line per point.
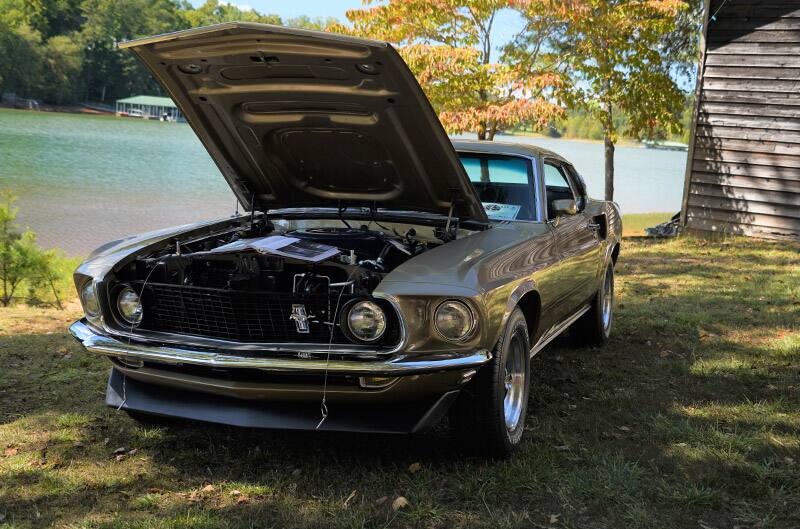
297 118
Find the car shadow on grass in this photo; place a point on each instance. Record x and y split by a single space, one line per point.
690 417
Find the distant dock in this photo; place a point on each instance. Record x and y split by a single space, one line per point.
666 145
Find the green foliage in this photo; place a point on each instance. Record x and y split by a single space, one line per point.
618 56
24 267
580 123
64 51
214 12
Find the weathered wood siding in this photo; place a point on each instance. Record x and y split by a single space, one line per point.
743 172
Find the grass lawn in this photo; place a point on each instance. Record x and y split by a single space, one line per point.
689 418
635 223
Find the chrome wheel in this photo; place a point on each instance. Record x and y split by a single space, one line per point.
515 381
608 298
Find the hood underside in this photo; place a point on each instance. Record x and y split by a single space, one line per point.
297 118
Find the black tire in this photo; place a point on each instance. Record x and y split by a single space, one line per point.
478 417
594 327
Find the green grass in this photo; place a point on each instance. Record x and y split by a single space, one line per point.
635 223
690 417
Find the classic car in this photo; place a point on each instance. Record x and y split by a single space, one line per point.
382 277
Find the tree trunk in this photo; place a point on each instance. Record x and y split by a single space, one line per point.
609 148
484 170
492 132
482 131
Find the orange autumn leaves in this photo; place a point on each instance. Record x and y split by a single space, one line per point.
448 46
472 96
565 49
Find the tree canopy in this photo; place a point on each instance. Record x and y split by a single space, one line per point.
615 56
602 58
63 51
448 45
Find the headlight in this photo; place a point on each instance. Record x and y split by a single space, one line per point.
89 300
366 321
454 321
129 306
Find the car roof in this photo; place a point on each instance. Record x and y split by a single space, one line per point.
505 147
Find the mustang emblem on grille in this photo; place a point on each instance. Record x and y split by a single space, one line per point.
300 318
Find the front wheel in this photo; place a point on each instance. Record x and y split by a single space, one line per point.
489 415
594 327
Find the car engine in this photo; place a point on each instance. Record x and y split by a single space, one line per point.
227 286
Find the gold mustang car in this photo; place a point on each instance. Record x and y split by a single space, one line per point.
383 277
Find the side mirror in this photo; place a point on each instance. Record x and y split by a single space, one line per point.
565 206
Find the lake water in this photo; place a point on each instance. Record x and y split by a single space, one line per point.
83 180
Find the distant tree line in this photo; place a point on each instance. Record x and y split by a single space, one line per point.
63 51
579 123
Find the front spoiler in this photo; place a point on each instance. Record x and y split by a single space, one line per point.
129 394
398 365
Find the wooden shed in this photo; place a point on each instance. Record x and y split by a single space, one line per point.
743 168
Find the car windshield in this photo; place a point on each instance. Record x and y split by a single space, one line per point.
503 184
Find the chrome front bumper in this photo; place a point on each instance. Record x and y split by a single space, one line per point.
398 365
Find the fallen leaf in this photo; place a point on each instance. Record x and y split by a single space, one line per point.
133 452
208 488
414 468
625 428
11 451
381 500
119 451
554 518
562 448
399 503
244 498
106 441
235 492
296 472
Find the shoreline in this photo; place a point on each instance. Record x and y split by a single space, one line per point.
59 109
621 143
82 110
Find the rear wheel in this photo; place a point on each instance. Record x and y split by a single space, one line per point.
489 416
594 327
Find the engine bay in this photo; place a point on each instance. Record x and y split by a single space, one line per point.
292 281
363 257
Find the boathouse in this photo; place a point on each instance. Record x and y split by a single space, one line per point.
743 167
149 107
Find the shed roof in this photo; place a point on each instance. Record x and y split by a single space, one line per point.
149 100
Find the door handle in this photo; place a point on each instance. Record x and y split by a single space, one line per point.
593 226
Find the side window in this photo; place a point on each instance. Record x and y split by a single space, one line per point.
579 186
556 185
503 184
